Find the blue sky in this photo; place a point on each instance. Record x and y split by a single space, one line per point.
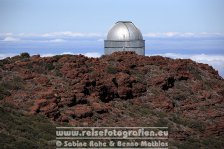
174 28
98 15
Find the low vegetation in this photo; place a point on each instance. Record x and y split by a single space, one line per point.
111 69
6 86
24 131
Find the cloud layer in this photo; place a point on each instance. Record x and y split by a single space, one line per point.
8 37
48 37
184 35
79 40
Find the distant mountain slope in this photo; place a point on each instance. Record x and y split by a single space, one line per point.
122 89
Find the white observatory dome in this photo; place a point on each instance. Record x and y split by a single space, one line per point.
124 31
124 36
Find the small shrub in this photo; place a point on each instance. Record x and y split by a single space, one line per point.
196 73
4 61
49 66
103 56
180 96
190 143
3 92
24 143
25 55
58 73
194 124
161 122
111 70
6 138
15 84
176 119
29 66
138 75
132 66
213 142
58 56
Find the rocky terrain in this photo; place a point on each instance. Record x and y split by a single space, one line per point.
122 89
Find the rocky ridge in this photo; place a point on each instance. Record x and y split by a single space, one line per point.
122 89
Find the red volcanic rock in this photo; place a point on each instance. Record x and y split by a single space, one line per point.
216 129
43 80
82 111
48 93
28 75
49 108
38 103
162 102
79 111
45 106
122 79
138 89
72 74
100 108
125 92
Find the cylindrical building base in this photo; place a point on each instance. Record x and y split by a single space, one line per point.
137 46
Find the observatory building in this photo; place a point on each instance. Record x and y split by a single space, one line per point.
124 36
